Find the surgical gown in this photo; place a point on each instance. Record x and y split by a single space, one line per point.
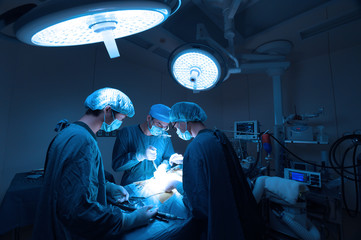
216 190
73 200
130 141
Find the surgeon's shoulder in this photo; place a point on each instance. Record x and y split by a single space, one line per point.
205 135
77 134
125 131
204 139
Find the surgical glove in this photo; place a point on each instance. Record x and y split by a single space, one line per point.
151 153
140 156
174 184
116 192
176 159
138 218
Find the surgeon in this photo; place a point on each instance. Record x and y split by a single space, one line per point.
215 188
144 150
73 202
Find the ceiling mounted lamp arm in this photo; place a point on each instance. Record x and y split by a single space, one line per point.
202 34
228 10
234 7
256 57
228 16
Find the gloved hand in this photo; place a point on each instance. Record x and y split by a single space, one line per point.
176 159
151 153
138 218
174 184
116 192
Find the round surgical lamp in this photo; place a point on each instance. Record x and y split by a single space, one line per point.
91 23
197 67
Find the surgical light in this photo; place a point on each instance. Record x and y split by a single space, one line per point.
92 23
197 67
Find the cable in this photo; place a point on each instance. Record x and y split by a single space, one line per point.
356 138
285 148
355 144
343 183
340 169
302 160
356 180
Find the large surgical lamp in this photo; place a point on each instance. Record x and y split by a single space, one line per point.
197 67
71 23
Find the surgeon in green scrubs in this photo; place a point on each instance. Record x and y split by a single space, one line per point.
73 202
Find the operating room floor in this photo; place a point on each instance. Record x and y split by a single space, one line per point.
351 230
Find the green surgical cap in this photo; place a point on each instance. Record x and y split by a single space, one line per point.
114 98
188 112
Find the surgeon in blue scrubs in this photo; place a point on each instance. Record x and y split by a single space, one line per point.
73 202
141 150
215 188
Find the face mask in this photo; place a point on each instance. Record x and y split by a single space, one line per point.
113 126
185 136
156 131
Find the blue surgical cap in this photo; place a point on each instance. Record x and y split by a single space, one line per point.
188 112
160 112
114 98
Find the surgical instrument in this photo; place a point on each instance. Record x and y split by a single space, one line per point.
159 214
155 166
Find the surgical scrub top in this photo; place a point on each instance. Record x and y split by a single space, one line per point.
130 141
216 190
73 199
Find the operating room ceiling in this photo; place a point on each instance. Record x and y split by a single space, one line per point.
304 23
